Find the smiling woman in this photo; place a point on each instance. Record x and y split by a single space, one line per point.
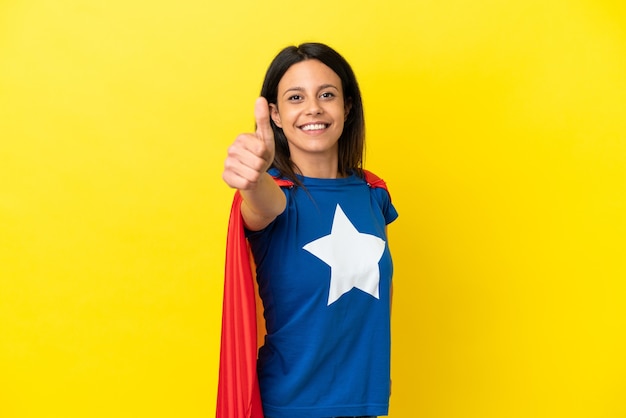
311 111
316 224
335 84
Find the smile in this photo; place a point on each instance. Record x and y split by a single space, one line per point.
314 127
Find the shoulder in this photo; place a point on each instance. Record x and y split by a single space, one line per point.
381 194
374 181
281 181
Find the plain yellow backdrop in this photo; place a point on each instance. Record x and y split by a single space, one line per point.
499 126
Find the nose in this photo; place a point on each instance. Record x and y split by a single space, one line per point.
314 107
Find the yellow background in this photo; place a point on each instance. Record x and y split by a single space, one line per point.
500 127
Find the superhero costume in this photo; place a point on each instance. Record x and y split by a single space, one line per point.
238 390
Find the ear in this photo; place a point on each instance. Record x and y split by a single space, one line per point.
347 107
275 115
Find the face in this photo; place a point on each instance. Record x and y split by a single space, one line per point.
311 110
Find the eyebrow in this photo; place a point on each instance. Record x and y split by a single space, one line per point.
322 87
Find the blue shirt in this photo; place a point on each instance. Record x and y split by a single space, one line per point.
324 272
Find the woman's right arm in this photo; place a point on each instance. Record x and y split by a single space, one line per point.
245 169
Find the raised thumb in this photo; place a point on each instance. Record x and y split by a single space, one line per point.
262 117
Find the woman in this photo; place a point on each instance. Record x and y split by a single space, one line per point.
316 224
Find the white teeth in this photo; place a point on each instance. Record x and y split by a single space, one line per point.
313 127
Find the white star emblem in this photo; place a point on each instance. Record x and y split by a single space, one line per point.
352 256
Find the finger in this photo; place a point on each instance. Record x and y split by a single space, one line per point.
241 178
262 117
236 181
250 151
242 169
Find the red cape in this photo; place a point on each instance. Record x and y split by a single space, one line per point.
238 393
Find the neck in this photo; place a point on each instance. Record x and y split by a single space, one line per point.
323 167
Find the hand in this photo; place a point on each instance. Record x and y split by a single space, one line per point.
251 155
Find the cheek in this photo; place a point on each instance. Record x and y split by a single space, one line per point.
287 120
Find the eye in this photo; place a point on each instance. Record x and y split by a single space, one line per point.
295 98
327 95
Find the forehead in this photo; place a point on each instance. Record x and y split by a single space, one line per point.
309 73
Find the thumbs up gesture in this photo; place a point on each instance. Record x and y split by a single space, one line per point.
251 154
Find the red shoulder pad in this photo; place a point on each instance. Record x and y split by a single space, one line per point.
374 181
283 182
